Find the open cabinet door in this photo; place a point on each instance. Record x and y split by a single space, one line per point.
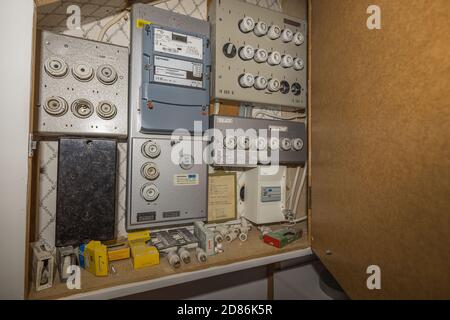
380 115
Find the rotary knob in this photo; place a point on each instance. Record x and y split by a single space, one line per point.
285 88
229 50
296 89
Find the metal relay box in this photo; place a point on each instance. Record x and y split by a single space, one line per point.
83 87
241 141
259 55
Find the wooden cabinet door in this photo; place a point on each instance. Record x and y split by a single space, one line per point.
380 154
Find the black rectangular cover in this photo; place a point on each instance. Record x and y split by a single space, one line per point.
86 191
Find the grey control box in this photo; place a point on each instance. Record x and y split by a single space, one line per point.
170 70
167 184
247 142
259 55
169 90
83 87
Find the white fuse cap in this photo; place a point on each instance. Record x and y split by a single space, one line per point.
287 61
274 58
287 35
247 52
247 24
261 55
274 32
260 28
246 80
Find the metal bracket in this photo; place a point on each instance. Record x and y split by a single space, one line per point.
32 145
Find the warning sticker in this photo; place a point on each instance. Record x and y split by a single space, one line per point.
178 44
186 179
178 72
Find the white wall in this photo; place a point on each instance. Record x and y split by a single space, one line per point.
16 30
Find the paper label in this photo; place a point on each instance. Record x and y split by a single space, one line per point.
178 44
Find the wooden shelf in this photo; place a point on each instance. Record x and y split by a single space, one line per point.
235 252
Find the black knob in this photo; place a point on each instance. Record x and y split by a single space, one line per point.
229 50
284 87
296 89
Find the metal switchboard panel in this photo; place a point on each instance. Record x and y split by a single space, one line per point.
166 186
83 87
259 55
240 141
86 191
171 69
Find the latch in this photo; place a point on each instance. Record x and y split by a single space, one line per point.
32 145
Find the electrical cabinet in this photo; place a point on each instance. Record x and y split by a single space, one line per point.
360 119
259 55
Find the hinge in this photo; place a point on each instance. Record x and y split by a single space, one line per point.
309 198
32 145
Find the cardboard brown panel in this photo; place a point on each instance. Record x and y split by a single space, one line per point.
380 151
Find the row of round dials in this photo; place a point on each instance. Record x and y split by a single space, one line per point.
58 68
273 32
261 143
81 108
260 55
150 171
248 80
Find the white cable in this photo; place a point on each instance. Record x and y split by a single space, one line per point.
112 22
300 188
278 117
294 185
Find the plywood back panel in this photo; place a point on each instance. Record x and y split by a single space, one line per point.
380 145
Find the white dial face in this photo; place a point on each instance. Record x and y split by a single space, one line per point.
274 32
260 28
243 143
299 39
247 80
297 144
299 64
247 52
229 142
247 24
274 58
261 55
261 143
287 61
287 35
273 85
286 144
260 83
274 143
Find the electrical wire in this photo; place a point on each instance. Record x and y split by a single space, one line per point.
302 116
110 23
294 185
300 188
